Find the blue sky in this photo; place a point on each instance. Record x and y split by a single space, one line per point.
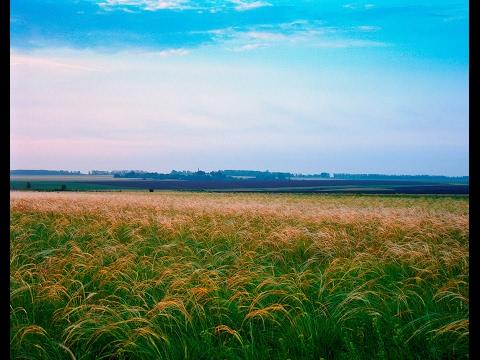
298 86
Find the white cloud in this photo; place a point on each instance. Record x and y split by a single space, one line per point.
249 47
150 5
270 36
21 60
357 5
242 5
306 35
350 43
165 5
369 28
173 52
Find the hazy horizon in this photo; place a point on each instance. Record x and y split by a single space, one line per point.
111 172
285 86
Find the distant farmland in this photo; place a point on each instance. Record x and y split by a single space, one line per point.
306 186
109 183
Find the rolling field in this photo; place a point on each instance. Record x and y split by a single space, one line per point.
175 275
297 186
72 182
108 183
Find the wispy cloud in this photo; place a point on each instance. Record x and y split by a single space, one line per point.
350 43
302 32
21 60
150 5
367 28
269 36
358 6
114 25
178 4
249 47
243 5
173 52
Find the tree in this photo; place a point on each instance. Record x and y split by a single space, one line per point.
27 186
63 187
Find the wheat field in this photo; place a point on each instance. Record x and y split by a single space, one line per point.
174 275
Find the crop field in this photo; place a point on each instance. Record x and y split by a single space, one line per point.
299 186
93 183
72 182
176 275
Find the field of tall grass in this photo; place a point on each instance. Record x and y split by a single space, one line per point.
168 275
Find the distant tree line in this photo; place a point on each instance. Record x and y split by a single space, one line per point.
44 172
399 177
258 174
239 174
323 175
205 176
174 175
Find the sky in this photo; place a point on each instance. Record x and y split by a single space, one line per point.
300 86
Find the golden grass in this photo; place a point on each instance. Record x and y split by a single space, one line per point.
154 270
